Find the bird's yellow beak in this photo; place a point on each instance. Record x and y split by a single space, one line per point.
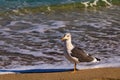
62 39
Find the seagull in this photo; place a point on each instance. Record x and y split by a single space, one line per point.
76 54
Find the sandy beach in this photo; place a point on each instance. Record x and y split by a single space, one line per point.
87 74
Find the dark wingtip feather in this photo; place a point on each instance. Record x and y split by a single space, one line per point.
98 59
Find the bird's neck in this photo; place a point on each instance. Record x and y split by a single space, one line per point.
68 45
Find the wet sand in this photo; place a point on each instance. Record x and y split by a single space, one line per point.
87 74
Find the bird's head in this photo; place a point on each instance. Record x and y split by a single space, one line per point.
66 37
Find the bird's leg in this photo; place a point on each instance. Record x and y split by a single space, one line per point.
75 69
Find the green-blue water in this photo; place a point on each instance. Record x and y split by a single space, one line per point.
14 4
8 5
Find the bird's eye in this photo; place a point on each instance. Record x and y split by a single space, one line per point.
67 35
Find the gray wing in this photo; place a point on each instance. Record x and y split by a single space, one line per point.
81 55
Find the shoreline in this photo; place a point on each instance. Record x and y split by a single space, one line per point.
86 74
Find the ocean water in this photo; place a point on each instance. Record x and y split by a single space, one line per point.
32 41
15 4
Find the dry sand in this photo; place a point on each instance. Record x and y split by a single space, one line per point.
87 74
